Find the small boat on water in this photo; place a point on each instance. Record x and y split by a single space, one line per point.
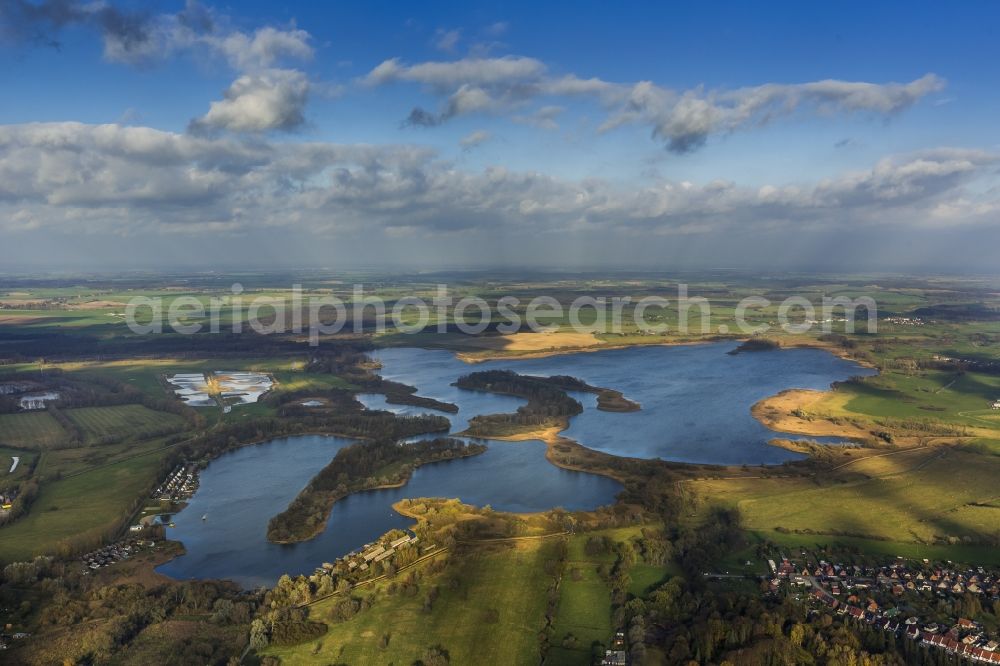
205 517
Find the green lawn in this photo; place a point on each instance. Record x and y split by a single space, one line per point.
510 581
645 577
132 421
30 430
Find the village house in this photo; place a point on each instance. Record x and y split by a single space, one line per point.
370 555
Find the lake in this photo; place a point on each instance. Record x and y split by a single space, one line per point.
695 399
241 490
695 408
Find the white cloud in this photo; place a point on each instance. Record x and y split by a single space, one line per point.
85 178
447 40
544 117
272 99
263 48
686 120
139 38
473 139
683 120
497 28
446 76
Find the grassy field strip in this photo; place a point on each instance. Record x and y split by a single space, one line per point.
517 538
121 460
430 555
880 455
948 386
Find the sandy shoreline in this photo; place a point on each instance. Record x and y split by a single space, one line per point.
515 355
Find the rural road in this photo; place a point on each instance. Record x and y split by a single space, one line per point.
881 455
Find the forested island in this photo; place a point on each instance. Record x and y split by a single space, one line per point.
549 404
362 466
756 344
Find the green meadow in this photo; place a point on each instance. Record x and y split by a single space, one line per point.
926 497
30 430
489 610
131 420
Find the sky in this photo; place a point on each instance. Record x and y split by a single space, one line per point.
200 136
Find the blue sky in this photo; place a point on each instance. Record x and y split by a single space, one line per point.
653 134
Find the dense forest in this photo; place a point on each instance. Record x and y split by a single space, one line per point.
106 617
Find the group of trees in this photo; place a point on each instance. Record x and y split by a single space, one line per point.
402 394
358 423
548 402
361 466
25 494
115 614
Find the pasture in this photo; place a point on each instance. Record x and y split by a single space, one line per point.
584 611
958 399
30 430
131 421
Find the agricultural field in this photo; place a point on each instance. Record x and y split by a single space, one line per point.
130 421
490 608
31 430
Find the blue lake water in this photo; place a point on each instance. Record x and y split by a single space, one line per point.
695 408
695 399
241 490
